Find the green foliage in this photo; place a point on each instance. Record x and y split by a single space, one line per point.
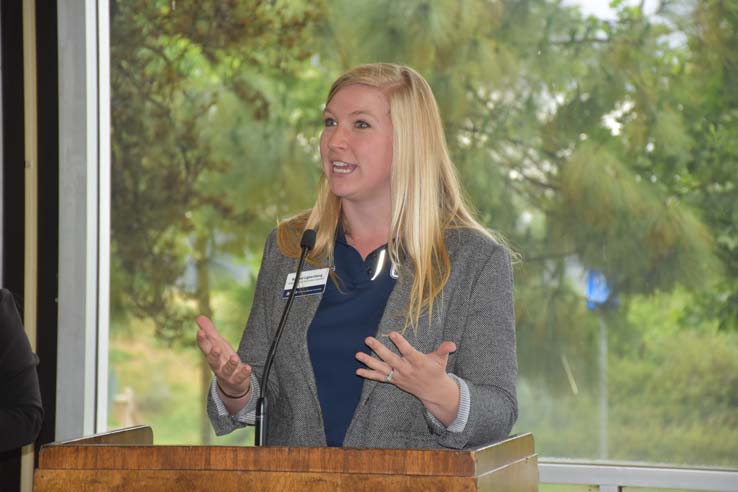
610 145
626 229
672 394
153 385
676 402
176 68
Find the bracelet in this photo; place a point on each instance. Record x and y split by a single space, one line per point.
232 397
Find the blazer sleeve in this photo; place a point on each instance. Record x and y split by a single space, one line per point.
486 358
255 340
21 413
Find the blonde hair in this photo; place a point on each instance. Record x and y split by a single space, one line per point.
426 193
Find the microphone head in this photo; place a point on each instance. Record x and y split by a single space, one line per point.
308 239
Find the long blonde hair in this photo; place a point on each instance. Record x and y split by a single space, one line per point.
426 193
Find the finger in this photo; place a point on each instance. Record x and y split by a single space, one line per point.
375 375
207 335
243 374
204 342
445 348
230 366
407 350
383 352
212 333
214 359
373 363
237 379
212 337
205 324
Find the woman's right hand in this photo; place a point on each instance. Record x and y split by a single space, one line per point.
233 375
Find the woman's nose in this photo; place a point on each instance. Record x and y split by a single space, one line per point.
337 139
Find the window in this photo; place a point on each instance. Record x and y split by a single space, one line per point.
603 150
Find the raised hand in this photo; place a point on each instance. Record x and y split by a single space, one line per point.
422 375
233 375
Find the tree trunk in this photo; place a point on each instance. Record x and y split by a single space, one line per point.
202 295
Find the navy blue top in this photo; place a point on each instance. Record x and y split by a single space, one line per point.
343 320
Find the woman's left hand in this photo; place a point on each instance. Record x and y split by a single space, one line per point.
422 375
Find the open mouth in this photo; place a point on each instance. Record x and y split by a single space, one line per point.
340 167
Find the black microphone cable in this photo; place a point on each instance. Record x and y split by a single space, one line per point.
260 435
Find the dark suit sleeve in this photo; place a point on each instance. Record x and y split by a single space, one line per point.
21 412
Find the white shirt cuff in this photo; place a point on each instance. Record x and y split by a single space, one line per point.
243 416
462 416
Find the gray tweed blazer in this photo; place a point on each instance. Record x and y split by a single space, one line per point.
475 311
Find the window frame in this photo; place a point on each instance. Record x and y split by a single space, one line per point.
84 253
84 206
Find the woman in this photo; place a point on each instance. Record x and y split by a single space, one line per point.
412 342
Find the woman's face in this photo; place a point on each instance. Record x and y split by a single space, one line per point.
356 145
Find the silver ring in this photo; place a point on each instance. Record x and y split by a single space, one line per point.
388 377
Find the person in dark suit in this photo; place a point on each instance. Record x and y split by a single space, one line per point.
21 413
407 338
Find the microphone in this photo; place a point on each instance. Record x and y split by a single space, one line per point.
260 435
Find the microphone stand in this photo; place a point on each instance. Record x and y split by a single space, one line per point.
260 435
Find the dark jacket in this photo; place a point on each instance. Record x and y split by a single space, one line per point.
21 412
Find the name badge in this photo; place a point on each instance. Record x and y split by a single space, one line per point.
311 282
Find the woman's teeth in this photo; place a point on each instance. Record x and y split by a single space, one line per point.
340 167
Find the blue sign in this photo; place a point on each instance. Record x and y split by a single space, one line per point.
596 290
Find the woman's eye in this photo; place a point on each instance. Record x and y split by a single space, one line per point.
362 124
329 122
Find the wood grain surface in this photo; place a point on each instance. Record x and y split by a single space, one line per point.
117 462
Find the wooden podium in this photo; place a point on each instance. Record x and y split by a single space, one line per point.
126 460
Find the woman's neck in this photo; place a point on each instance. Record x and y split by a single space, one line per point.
365 229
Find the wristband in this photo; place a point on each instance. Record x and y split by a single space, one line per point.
232 397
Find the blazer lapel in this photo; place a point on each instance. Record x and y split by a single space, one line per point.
393 319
